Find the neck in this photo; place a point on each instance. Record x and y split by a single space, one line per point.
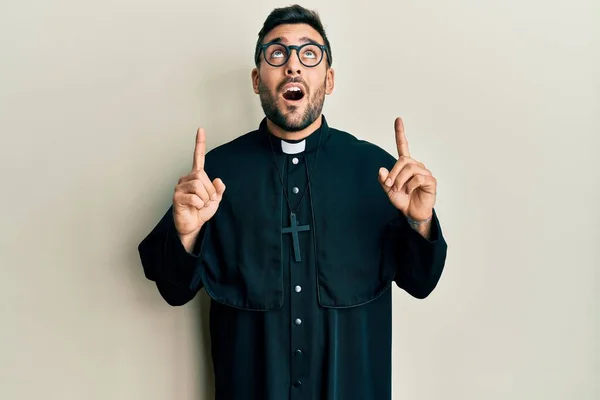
299 135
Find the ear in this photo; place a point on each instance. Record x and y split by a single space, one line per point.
329 81
255 79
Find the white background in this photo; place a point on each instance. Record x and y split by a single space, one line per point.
99 105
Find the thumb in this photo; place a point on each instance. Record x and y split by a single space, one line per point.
220 187
383 174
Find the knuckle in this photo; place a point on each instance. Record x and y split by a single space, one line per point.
197 186
180 187
177 198
195 175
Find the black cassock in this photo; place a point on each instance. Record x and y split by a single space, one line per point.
313 325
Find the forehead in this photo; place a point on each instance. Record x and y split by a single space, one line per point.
294 33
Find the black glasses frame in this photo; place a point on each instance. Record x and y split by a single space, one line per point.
263 50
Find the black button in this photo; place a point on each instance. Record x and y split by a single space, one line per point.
297 384
298 352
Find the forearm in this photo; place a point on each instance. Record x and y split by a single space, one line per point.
166 261
419 256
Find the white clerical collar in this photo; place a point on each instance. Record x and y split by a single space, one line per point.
293 148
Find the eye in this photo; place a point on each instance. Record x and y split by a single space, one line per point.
276 52
311 53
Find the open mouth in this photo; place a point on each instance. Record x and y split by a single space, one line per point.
293 93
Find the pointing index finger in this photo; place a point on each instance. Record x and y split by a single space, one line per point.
401 142
199 150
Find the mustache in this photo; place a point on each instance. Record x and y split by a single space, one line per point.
292 80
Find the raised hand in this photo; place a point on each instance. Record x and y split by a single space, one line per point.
409 185
196 198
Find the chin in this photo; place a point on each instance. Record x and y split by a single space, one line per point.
294 120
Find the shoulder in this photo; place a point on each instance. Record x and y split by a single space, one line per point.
360 150
239 144
237 149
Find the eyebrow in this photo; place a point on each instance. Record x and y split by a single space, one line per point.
303 39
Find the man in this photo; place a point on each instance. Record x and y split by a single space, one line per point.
298 231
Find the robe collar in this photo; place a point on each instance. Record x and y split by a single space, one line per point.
307 145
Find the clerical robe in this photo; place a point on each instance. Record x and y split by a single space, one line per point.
306 326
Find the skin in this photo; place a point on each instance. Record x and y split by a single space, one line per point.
317 82
196 198
410 186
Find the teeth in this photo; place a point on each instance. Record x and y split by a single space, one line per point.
293 89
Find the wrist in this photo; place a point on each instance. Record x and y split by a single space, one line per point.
423 227
188 241
418 223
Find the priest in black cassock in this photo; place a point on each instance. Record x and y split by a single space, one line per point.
298 232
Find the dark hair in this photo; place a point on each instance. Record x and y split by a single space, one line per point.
292 15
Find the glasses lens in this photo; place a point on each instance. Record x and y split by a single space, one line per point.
276 54
311 55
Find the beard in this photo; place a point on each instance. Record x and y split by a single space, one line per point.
290 119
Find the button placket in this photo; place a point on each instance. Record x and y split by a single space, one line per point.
297 181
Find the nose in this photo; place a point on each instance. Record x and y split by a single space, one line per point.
293 65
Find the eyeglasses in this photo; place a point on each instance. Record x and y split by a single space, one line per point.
309 54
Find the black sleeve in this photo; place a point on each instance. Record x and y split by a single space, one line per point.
419 261
165 261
